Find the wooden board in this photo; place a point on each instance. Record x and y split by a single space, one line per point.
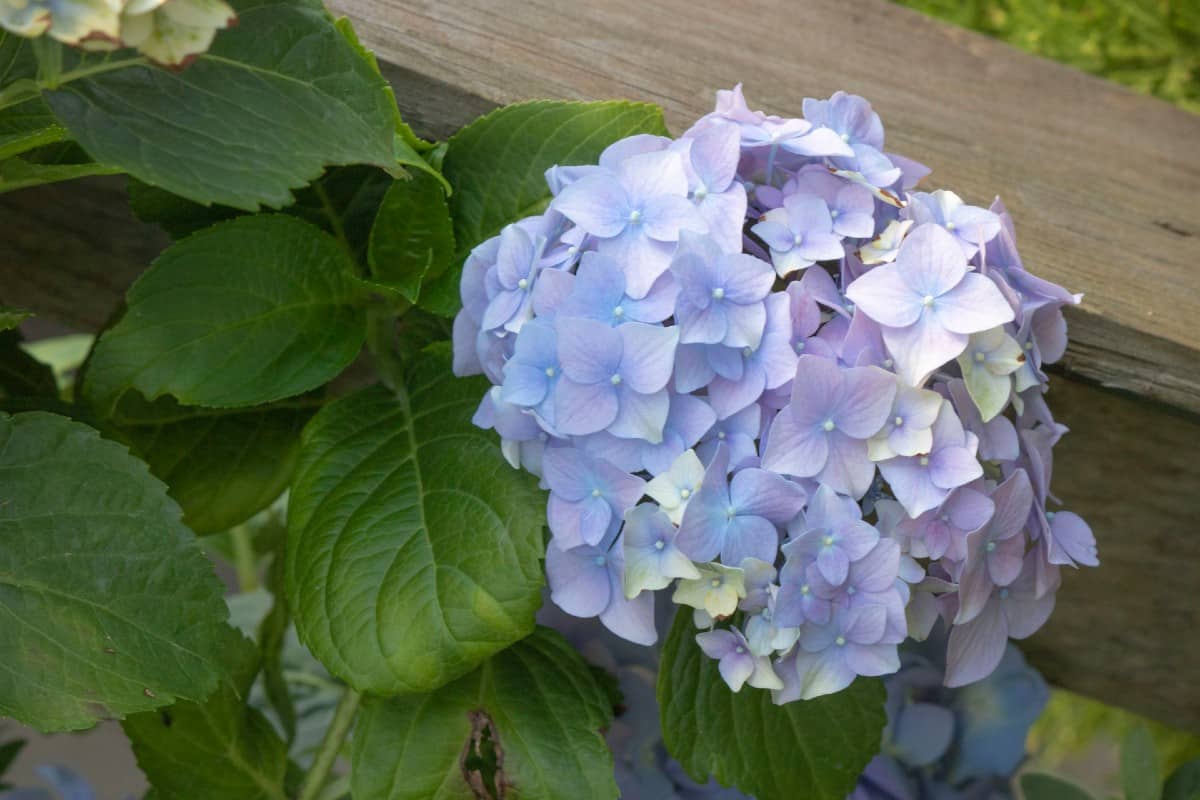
1104 184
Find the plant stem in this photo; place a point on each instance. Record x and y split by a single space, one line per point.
331 745
244 561
382 341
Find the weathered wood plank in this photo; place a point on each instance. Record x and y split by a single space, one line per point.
1102 182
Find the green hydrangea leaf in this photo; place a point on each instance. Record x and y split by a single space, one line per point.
281 95
813 749
222 467
28 124
249 311
218 748
1044 786
107 605
413 547
412 240
23 172
524 724
497 164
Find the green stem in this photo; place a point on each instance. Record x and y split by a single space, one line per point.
26 89
49 55
244 561
331 745
335 221
383 342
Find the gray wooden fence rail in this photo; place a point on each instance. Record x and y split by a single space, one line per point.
1104 186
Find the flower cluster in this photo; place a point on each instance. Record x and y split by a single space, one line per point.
754 366
168 32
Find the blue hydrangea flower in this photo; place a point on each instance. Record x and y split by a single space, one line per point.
923 481
971 226
652 559
721 294
928 303
635 212
829 657
758 369
995 552
511 279
736 663
597 291
613 379
716 592
738 518
832 534
851 206
1017 610
719 197
799 234
532 373
588 496
823 431
588 581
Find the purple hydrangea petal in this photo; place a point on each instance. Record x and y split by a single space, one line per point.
597 203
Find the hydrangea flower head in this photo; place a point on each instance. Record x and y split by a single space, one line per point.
758 370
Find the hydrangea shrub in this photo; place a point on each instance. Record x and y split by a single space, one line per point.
761 372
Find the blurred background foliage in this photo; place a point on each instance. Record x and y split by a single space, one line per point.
1152 46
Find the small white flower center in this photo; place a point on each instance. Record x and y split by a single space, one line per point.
715 582
596 492
990 547
660 544
980 358
721 435
550 372
1029 345
730 512
898 421
618 312
927 300
614 380
834 214
827 425
523 283
543 437
799 347
845 137
840 641
1004 594
599 561
850 590
701 192
739 649
797 239
685 493
889 363
804 589
950 226
924 461
635 217
827 541
747 352
718 293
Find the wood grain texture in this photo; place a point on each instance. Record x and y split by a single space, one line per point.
1103 183
1126 632
68 251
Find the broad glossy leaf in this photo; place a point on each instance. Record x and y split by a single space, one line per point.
413 548
813 749
107 605
412 240
29 124
276 99
1044 786
542 711
220 748
248 311
222 467
497 164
